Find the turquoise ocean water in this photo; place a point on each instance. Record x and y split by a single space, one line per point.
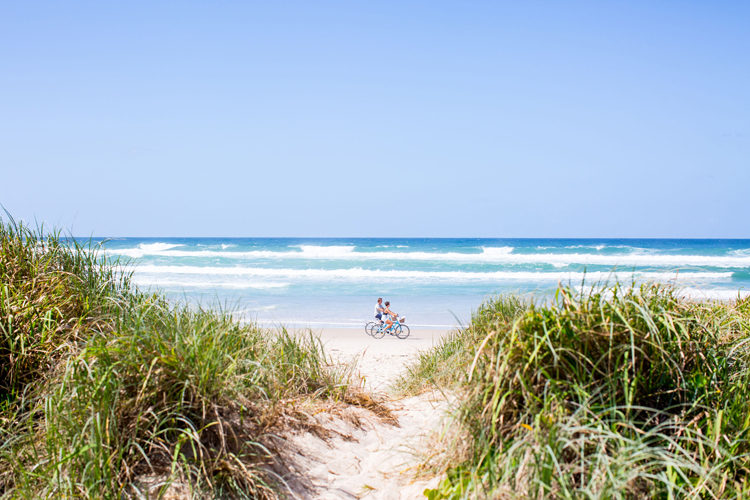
434 282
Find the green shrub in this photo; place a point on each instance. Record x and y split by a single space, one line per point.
438 367
111 392
607 393
52 290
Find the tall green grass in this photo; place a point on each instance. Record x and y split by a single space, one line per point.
51 290
610 393
439 366
110 392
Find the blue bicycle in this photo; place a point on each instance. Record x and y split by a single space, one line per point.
398 328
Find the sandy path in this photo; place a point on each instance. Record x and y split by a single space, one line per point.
370 459
380 361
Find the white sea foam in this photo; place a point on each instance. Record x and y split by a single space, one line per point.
146 249
160 281
712 293
622 260
598 248
370 274
327 252
496 255
158 246
494 252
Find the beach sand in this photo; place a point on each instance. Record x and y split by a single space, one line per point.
379 361
367 457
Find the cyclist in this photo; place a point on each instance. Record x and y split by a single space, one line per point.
390 316
379 310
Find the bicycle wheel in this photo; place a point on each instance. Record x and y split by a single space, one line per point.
369 328
378 332
402 331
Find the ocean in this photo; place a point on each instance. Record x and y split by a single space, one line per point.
437 283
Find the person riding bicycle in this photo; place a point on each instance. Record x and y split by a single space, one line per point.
390 315
379 310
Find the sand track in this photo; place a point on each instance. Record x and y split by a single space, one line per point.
363 456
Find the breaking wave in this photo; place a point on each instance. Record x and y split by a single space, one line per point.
359 274
495 255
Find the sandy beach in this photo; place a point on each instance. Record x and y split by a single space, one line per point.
369 458
379 361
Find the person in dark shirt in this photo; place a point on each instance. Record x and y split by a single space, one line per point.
390 316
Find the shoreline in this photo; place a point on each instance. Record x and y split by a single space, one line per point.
317 326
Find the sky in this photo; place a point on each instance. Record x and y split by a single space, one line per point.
417 118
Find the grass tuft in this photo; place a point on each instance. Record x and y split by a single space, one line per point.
110 392
52 291
610 392
437 367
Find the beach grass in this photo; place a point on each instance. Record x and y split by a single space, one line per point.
608 392
605 392
107 391
437 367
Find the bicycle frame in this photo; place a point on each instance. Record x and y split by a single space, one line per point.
396 322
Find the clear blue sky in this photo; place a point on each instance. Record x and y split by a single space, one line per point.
496 119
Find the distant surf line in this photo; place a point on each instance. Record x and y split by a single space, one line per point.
496 255
359 273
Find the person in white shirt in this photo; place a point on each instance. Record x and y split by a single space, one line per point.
379 310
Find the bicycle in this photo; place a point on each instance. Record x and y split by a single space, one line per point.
371 325
398 328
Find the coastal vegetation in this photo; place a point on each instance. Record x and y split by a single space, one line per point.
605 392
108 391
